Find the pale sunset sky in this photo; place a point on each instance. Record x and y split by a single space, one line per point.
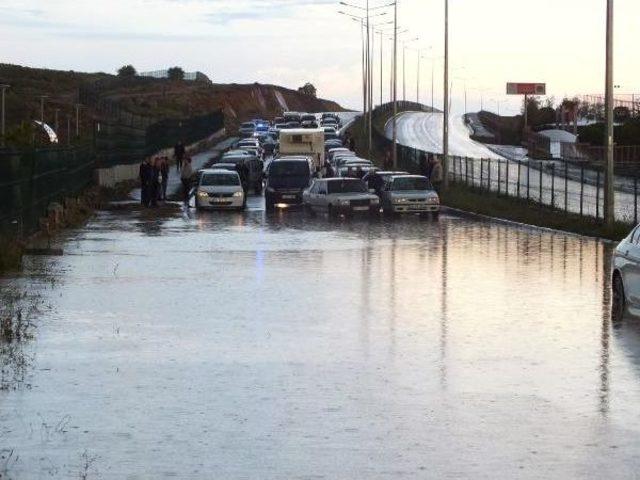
289 42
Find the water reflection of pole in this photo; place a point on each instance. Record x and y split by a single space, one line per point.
605 333
392 298
443 307
365 285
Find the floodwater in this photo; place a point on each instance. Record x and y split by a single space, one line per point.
247 346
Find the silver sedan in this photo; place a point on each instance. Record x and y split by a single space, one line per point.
337 196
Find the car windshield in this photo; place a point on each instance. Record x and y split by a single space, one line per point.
411 183
248 125
219 179
235 159
347 186
289 169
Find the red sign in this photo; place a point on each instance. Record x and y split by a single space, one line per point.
526 88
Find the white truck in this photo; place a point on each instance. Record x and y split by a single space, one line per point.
303 141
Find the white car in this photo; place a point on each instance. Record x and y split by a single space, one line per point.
337 196
410 194
219 189
625 281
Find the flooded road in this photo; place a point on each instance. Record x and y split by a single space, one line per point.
246 346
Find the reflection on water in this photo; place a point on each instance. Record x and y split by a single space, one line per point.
268 346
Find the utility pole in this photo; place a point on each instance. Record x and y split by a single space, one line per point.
609 210
42 97
395 85
370 38
78 120
404 76
445 126
418 80
2 123
432 85
381 64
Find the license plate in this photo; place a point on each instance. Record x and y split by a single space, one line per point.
219 200
360 209
288 197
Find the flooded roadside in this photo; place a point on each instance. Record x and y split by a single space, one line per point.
255 346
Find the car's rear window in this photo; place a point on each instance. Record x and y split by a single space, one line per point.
248 125
411 183
289 168
346 186
219 179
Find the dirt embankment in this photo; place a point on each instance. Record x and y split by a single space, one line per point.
160 98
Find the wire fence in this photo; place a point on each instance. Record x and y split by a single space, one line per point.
31 180
563 186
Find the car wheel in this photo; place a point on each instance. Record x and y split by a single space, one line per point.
309 210
268 204
618 300
331 212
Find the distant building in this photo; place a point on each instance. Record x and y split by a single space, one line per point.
190 76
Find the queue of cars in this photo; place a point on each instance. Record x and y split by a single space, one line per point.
308 165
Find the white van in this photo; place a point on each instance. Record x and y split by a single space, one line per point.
303 141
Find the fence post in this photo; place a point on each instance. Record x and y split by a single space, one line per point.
506 186
553 185
489 174
518 187
635 200
466 171
481 173
528 173
566 187
581 189
597 194
473 173
499 175
540 184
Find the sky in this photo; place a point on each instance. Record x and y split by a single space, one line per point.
290 42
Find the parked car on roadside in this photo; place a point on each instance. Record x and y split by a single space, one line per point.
625 280
286 178
410 194
337 196
308 117
219 189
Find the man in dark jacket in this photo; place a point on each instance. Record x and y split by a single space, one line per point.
146 174
178 153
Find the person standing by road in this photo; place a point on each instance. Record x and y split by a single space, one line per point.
179 152
164 172
186 175
146 174
388 162
154 187
437 174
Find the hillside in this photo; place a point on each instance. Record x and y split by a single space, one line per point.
158 98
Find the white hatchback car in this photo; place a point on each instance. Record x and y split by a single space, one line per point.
625 281
219 189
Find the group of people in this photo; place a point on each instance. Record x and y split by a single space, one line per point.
154 176
429 166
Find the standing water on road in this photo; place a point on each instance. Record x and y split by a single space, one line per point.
278 346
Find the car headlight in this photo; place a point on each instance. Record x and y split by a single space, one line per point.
375 200
270 189
399 200
433 200
238 194
344 202
202 193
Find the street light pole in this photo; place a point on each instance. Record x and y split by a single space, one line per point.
445 126
381 65
418 80
42 97
395 85
609 171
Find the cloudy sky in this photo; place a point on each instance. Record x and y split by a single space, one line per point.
289 42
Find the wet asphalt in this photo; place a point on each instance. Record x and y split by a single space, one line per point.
178 344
